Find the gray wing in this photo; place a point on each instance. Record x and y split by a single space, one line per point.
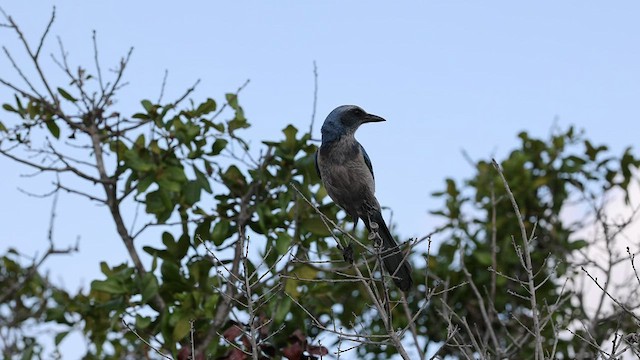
366 160
316 161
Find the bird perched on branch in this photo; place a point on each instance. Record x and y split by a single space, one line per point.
347 174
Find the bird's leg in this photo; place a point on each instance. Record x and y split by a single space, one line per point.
347 251
355 223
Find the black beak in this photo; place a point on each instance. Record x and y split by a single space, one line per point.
372 118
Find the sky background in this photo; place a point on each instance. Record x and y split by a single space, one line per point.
448 76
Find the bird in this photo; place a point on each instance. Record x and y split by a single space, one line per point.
345 170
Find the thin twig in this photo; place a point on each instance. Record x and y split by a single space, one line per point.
162 87
315 97
96 59
622 306
124 322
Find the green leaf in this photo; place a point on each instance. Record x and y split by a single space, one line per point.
302 272
157 253
170 272
105 269
19 103
237 123
140 116
169 241
155 148
109 286
29 351
169 185
57 314
232 100
66 95
154 262
234 180
9 108
484 258
316 226
144 183
220 232
142 322
118 147
60 336
182 246
175 173
53 128
218 146
140 142
159 203
219 126
181 329
192 191
206 107
203 231
284 305
147 105
283 241
133 160
202 180
149 287
290 136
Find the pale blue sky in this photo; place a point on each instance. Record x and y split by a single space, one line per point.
447 75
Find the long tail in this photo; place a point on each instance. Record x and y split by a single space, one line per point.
393 258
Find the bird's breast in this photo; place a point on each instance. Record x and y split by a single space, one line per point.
345 174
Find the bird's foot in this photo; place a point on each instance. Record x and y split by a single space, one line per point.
347 253
373 234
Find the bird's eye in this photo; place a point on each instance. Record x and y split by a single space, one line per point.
358 111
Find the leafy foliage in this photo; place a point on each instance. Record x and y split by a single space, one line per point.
246 268
546 178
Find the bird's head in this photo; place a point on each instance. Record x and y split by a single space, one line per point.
345 120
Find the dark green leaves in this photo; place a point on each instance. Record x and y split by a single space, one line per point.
221 231
109 286
234 180
66 95
549 178
119 280
218 146
206 107
159 203
232 100
149 287
193 172
53 128
316 226
9 108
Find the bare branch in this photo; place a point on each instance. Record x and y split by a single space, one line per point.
67 168
186 93
315 97
481 305
621 305
22 75
539 353
164 83
97 62
46 31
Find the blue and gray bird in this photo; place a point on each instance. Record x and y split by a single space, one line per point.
347 174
